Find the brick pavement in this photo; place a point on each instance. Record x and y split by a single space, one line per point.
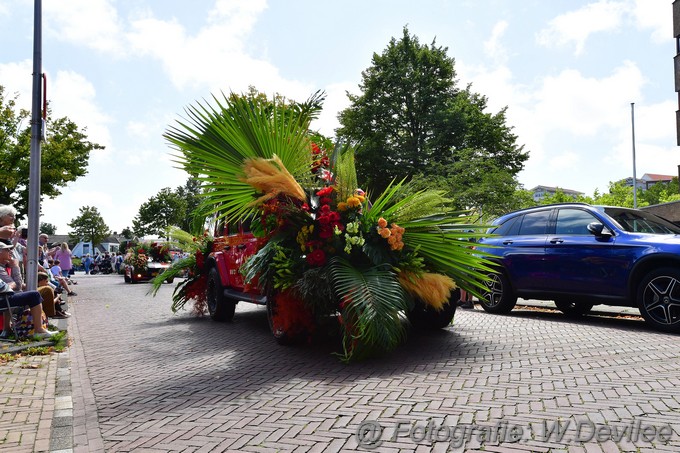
143 379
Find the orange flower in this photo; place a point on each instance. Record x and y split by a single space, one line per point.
342 206
384 232
382 223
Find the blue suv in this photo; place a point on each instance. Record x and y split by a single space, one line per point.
580 255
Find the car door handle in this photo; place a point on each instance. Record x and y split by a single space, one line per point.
556 241
508 242
241 246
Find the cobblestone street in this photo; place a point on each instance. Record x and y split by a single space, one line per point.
143 379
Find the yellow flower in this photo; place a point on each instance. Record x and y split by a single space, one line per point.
353 202
342 206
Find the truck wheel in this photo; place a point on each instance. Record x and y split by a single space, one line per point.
221 308
281 335
425 317
498 296
573 308
658 298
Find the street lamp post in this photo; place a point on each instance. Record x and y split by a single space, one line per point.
34 170
632 123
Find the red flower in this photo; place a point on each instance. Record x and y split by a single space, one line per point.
325 191
325 201
315 149
316 258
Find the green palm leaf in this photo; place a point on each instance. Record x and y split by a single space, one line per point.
214 141
373 308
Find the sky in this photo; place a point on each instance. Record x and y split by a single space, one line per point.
568 72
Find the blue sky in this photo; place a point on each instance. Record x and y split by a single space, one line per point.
567 70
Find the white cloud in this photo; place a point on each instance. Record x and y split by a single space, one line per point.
16 78
575 27
655 15
214 57
585 105
93 23
493 46
72 95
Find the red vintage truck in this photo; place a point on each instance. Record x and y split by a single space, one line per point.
226 286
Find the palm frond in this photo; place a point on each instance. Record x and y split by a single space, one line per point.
373 305
214 141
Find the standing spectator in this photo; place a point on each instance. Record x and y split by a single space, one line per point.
63 254
119 262
87 262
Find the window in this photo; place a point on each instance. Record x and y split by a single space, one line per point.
535 223
573 221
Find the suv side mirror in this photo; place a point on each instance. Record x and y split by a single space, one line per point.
598 229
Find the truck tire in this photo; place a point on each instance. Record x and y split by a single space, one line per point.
571 308
221 308
280 334
425 317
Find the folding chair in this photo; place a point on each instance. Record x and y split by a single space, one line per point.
6 308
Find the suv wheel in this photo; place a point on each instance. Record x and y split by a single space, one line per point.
659 299
573 308
220 307
498 296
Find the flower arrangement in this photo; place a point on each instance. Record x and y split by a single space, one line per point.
138 254
193 287
330 251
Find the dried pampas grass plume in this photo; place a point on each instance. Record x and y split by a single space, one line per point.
433 289
272 178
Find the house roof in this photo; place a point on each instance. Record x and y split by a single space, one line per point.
657 177
555 189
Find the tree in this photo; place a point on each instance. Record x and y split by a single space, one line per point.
412 119
127 233
162 210
89 226
48 228
190 193
64 155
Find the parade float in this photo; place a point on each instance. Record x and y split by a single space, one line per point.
295 233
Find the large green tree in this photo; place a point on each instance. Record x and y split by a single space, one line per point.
164 209
190 192
412 119
65 154
89 226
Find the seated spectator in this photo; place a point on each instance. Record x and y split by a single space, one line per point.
7 216
57 279
51 303
31 299
10 271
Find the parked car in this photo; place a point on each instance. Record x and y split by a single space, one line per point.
580 255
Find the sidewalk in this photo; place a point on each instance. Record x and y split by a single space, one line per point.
36 410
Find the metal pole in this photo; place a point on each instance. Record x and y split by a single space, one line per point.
632 122
36 134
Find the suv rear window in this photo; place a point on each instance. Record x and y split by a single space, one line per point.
535 223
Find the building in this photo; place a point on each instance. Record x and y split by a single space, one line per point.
648 180
541 192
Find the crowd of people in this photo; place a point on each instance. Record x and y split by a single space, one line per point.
55 267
